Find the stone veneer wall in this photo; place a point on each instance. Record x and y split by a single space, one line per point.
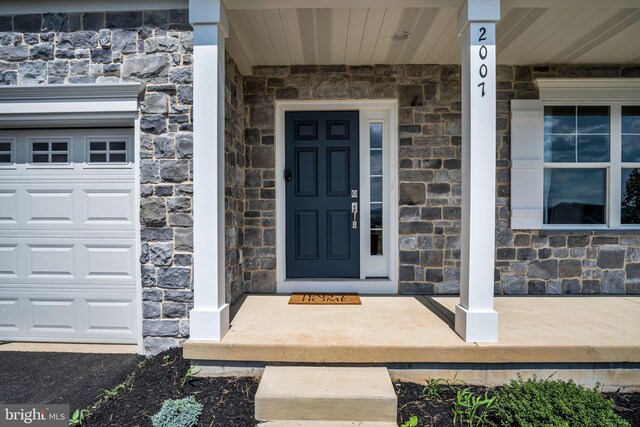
154 47
430 181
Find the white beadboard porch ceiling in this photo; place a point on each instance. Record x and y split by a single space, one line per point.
605 32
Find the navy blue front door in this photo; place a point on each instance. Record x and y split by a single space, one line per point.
322 186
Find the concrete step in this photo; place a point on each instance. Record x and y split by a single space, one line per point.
310 393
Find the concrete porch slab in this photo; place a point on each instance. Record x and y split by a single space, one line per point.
403 329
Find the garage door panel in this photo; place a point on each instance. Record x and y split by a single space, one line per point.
95 315
50 261
49 207
8 205
92 206
108 207
50 314
70 261
105 316
9 315
110 262
9 261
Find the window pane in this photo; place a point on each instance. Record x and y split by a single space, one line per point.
117 157
40 146
560 148
376 162
98 158
375 130
98 146
59 158
575 196
376 242
593 148
630 209
59 146
631 119
376 215
117 145
5 146
559 119
631 148
376 189
5 158
40 158
593 119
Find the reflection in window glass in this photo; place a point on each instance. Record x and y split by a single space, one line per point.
5 152
576 134
50 152
630 208
375 196
107 152
574 196
631 133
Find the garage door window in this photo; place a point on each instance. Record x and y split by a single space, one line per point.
107 151
49 151
6 151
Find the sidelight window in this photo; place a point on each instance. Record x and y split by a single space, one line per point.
376 201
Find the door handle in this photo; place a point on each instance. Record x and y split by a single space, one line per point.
288 176
354 212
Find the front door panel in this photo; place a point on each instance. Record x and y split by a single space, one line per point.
321 171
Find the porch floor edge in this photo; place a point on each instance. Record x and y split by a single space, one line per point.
400 329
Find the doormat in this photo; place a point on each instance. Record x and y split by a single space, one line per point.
325 298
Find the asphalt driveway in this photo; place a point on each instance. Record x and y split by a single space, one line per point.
73 378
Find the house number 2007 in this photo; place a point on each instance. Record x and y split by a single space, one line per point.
483 55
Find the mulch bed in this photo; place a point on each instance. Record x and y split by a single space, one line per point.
60 378
227 401
438 413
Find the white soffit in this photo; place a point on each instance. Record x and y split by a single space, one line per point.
605 89
277 34
62 105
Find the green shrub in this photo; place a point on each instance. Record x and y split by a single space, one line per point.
553 403
178 413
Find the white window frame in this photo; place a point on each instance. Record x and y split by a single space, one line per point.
69 152
107 140
613 93
385 111
12 153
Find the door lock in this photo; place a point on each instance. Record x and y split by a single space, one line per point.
354 212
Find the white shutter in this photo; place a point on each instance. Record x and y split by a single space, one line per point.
527 151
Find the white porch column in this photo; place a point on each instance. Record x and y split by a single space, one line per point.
476 320
209 319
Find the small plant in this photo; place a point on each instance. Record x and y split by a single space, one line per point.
412 422
553 403
178 413
191 372
166 359
435 386
472 410
111 393
141 364
78 417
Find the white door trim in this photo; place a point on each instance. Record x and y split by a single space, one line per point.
390 109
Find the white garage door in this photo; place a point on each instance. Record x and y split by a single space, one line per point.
67 235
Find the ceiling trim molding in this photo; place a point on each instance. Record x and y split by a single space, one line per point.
302 4
604 89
